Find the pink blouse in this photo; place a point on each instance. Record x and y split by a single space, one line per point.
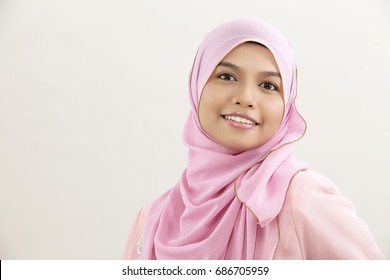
316 222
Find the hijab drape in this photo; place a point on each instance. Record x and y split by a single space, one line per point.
226 203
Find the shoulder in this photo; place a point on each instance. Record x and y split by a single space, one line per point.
134 240
309 190
313 181
141 222
312 197
324 221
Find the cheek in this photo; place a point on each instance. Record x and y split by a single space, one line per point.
206 108
274 111
210 102
279 111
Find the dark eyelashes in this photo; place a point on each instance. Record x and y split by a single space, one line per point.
226 77
275 87
267 85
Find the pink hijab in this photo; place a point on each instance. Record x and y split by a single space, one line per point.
225 204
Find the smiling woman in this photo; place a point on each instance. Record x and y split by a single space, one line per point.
241 105
244 195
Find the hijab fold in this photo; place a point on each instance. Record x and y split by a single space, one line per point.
226 203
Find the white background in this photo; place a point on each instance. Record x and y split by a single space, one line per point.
93 98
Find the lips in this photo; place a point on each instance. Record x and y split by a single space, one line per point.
240 118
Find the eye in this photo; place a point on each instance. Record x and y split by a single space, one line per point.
269 86
226 77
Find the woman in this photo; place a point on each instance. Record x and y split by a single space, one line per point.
243 194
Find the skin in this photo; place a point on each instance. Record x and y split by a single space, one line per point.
247 80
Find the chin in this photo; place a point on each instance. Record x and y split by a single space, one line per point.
242 147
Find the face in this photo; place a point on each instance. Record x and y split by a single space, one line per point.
241 105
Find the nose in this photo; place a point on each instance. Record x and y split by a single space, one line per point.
244 96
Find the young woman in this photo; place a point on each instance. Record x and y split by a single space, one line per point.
243 194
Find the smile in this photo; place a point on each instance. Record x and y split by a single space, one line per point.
239 120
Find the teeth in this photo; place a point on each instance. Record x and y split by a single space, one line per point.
239 119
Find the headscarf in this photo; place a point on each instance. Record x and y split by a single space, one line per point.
226 203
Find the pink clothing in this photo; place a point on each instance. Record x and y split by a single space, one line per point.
315 222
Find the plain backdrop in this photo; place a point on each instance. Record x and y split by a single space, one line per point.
93 99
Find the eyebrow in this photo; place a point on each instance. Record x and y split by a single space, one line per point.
266 73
